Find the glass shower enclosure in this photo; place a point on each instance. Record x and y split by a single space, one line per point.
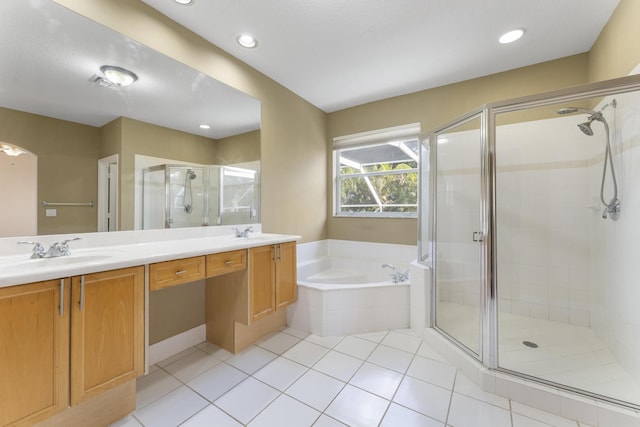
175 196
534 236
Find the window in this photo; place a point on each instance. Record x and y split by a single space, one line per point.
377 173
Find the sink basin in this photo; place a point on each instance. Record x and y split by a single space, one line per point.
70 259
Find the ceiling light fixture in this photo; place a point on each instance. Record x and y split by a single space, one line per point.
511 36
11 150
205 127
118 76
247 40
184 2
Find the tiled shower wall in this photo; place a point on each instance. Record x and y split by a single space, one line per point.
615 246
543 211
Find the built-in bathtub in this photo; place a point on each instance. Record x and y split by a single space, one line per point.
343 288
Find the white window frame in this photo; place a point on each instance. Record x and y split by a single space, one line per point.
396 136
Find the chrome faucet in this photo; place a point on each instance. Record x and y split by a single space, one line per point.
56 250
397 277
59 249
244 233
37 251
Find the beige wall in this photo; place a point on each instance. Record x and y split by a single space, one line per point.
616 52
67 166
156 141
238 149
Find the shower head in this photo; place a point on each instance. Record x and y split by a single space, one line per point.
586 128
191 174
570 110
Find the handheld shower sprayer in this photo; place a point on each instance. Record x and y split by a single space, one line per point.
612 208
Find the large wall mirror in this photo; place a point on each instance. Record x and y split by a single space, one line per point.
86 141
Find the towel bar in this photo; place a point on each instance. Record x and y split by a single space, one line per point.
90 204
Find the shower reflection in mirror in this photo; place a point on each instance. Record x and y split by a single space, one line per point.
175 195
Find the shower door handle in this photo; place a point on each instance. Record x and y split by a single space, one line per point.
478 236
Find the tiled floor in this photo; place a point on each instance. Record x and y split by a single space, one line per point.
566 354
389 378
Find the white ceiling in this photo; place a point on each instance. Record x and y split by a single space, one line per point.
341 53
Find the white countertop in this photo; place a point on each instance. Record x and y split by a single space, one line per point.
108 251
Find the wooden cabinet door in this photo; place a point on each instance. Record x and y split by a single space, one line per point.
261 282
286 278
34 351
107 330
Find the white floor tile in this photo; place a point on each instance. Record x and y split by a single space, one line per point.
280 373
545 417
375 337
305 353
404 342
192 365
328 342
153 386
400 416
425 350
423 397
377 380
356 407
129 421
214 350
211 416
391 358
433 372
170 360
286 412
468 412
465 386
247 399
356 347
278 343
327 421
217 381
338 365
251 359
522 421
171 409
298 333
315 389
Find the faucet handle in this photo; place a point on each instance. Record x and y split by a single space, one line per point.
37 251
64 242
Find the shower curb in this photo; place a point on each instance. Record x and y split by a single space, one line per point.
583 409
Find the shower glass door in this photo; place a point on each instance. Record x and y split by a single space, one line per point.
458 232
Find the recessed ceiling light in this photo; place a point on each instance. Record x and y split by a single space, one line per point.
184 2
118 76
511 36
205 127
247 40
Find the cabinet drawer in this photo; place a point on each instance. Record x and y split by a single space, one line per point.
177 272
226 262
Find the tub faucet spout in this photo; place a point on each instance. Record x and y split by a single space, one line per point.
397 277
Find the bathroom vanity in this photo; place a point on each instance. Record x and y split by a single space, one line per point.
74 329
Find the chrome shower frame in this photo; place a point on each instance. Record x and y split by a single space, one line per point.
488 354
